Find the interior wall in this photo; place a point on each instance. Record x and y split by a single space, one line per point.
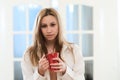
118 22
6 56
106 59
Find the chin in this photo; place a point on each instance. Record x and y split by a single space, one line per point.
50 39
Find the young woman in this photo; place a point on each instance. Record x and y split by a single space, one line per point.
48 39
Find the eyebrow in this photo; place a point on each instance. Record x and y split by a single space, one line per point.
50 22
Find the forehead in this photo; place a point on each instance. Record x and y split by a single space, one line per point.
48 18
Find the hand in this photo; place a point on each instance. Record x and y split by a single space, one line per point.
58 67
43 65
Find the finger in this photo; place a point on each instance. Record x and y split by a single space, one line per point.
43 59
58 67
56 64
44 62
57 54
58 59
43 56
41 63
46 66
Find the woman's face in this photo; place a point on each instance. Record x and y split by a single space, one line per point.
49 27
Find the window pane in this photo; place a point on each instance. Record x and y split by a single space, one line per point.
33 11
19 45
87 18
74 38
88 70
30 39
19 18
72 17
87 45
17 71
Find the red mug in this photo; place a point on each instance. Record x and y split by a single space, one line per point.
50 58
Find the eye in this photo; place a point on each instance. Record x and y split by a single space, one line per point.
43 26
52 24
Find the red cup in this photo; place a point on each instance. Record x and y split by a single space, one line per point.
50 58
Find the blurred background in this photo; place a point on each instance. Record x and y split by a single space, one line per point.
93 24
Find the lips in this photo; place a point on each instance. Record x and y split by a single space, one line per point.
49 35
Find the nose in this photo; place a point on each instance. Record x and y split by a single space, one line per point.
49 29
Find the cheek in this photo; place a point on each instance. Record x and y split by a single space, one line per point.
43 31
57 30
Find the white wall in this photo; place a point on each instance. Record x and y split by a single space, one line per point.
6 58
118 8
106 43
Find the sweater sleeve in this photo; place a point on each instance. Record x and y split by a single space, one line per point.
77 72
27 69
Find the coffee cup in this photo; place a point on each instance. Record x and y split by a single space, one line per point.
50 57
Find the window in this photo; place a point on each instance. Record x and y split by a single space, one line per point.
23 24
79 29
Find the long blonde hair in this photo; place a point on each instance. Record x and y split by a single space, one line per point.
38 48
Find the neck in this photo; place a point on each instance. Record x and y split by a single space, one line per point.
50 46
50 43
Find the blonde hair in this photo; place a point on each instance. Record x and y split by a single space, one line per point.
38 48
